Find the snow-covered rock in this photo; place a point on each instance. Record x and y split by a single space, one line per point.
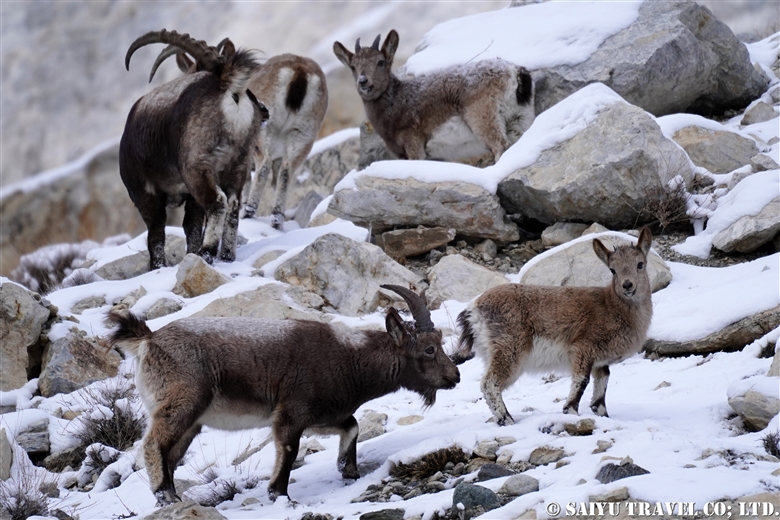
756 400
457 278
195 277
758 113
561 232
718 151
750 232
136 264
271 301
75 361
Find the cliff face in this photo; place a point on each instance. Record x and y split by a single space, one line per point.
65 88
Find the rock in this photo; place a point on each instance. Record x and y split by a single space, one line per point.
138 264
88 303
270 256
475 464
609 172
371 425
762 162
471 496
562 232
774 368
602 446
518 485
718 151
271 301
6 456
491 471
486 450
401 243
22 317
195 277
758 113
487 249
640 61
731 338
306 207
128 301
594 228
387 204
372 147
72 457
750 232
457 278
663 384
185 511
581 427
163 307
755 400
384 514
409 419
35 439
577 265
615 495
346 273
611 472
73 362
545 455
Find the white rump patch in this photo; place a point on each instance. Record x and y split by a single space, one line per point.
239 115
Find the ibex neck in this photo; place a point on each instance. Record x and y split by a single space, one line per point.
378 368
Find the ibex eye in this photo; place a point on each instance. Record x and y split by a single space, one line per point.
352 67
430 351
612 271
640 265
381 63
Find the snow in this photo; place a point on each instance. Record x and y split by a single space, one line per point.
333 139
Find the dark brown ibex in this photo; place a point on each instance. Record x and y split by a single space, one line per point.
526 328
190 141
458 113
294 375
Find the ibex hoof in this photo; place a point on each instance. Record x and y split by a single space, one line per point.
166 497
506 421
249 211
227 256
277 221
570 410
350 474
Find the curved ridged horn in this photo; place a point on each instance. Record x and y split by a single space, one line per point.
420 312
375 45
193 47
357 45
166 53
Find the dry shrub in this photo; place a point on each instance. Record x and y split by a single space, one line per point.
22 497
771 443
429 464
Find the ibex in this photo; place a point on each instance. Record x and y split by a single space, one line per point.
190 141
294 375
461 112
296 93
519 328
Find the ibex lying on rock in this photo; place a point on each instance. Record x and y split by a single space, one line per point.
296 93
525 328
190 141
296 376
460 112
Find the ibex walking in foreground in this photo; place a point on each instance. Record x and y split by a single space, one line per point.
458 113
526 328
294 375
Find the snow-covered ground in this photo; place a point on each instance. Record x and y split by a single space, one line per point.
670 416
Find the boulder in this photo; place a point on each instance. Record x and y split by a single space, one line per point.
487 450
762 162
386 204
186 510
271 301
562 232
22 317
774 368
371 425
609 172
306 207
91 302
518 485
733 337
750 232
346 273
575 264
35 439
720 151
611 472
401 243
384 514
75 361
642 63
6 456
755 400
758 113
471 496
163 307
581 427
545 455
372 147
134 265
457 278
195 277
491 471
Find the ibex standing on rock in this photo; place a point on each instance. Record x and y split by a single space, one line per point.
526 328
294 375
458 113
190 141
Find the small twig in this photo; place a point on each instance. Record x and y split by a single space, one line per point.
483 52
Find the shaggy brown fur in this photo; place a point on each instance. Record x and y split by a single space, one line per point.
427 465
519 328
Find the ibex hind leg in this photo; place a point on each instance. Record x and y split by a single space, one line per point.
262 172
599 401
194 217
501 373
215 224
227 251
152 209
347 461
483 119
287 438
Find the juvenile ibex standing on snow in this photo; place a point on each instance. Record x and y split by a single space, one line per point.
296 93
461 112
294 375
190 141
519 328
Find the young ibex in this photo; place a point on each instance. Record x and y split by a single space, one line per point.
524 328
190 141
461 112
296 93
295 375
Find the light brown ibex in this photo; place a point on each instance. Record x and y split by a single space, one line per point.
519 328
294 375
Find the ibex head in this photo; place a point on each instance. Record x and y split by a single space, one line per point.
628 265
371 66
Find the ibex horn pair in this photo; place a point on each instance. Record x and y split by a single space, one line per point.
417 306
374 46
177 43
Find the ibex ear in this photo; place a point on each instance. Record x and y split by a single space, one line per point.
395 327
390 46
184 62
228 49
343 54
601 251
645 240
